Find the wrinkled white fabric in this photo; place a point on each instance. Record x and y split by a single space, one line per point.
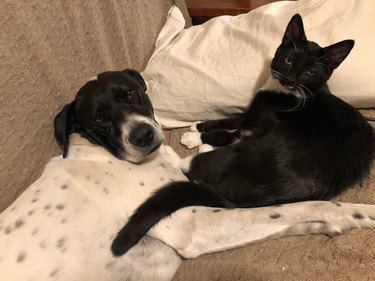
212 70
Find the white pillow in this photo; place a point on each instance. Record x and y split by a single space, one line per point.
212 70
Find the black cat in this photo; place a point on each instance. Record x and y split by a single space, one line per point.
296 143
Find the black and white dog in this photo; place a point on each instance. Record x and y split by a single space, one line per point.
62 226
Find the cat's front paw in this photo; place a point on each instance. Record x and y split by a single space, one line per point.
191 139
194 126
203 148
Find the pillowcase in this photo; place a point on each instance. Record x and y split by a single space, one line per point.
212 70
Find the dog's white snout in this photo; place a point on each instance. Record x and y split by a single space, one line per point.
141 136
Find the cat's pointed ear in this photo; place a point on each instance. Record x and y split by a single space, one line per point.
336 53
294 34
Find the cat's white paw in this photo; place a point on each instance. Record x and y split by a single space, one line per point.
191 139
205 148
193 127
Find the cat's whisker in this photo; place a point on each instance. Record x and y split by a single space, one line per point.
321 57
305 98
301 99
325 66
295 45
308 91
276 74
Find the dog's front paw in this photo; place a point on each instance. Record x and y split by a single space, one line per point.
170 156
191 139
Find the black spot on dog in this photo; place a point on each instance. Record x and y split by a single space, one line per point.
60 207
31 212
47 207
317 221
193 211
105 190
275 216
216 210
141 183
110 162
34 200
53 273
336 203
371 218
334 234
129 169
18 223
64 186
358 216
35 231
109 264
13 208
21 257
37 191
42 245
162 165
60 243
161 179
7 230
108 173
63 221
167 226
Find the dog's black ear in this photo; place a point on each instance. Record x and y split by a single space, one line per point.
63 126
137 76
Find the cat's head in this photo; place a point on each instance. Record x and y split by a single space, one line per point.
299 64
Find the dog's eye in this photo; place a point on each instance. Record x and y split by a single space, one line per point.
131 94
99 119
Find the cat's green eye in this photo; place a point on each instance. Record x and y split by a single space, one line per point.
288 60
310 72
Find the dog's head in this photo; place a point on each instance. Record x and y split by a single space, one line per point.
113 111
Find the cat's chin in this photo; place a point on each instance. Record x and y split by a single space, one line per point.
273 84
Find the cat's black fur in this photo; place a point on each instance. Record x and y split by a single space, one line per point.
305 143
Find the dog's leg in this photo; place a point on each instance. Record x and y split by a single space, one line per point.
195 231
174 159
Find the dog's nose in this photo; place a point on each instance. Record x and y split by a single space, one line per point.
142 135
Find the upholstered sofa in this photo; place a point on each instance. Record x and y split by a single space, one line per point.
48 49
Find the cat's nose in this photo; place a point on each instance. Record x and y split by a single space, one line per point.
291 81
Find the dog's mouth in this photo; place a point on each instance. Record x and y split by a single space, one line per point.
137 155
